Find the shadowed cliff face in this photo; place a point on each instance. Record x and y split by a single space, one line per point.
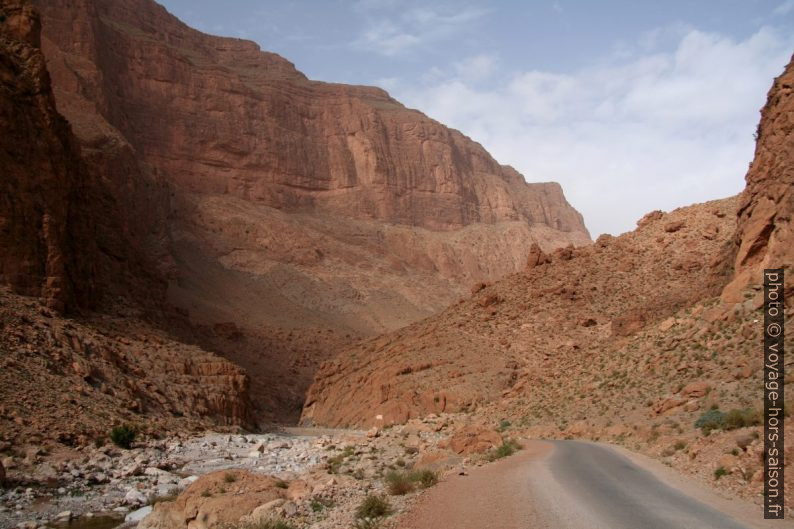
291 217
79 225
66 239
41 171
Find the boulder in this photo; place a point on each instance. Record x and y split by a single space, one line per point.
138 515
472 440
213 501
135 497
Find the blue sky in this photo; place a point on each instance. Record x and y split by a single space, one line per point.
631 106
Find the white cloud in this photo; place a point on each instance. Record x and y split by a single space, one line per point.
638 131
477 67
395 35
784 8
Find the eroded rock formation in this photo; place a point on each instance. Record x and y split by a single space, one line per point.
765 233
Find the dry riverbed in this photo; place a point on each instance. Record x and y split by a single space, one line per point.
102 487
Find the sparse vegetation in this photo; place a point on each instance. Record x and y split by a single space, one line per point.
123 436
281 484
335 463
503 425
721 471
400 483
741 418
318 504
426 478
714 419
507 448
710 420
275 523
373 506
229 477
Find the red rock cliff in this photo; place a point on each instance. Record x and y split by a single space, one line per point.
765 234
218 115
41 170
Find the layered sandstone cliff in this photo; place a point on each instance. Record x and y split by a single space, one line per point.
219 116
605 335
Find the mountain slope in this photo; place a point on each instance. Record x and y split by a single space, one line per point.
519 334
632 340
292 216
567 317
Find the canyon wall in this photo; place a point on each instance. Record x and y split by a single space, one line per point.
69 236
765 233
219 116
284 218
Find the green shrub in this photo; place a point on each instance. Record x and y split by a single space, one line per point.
720 472
710 420
426 478
399 483
373 506
507 448
229 477
123 436
503 425
740 418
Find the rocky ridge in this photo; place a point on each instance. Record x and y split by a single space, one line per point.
764 235
511 336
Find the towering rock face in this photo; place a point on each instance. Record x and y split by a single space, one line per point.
71 216
219 116
67 239
765 232
41 171
556 341
290 216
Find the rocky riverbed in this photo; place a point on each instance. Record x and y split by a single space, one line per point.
323 475
111 482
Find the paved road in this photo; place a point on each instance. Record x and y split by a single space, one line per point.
616 493
572 485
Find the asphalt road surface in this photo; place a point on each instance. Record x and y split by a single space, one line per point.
577 485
